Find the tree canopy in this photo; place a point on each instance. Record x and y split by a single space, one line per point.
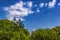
10 30
46 34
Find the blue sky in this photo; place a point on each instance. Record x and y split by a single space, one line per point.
35 14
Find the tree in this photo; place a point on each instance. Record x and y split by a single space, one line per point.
46 34
20 24
10 32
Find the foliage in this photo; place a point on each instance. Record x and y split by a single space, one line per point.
10 30
46 34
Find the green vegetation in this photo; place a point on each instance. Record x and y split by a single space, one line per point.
10 30
46 34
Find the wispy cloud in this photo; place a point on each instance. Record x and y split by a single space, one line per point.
38 10
22 9
35 5
41 4
52 4
19 10
58 4
49 4
30 4
46 4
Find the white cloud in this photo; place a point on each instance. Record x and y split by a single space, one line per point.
52 4
41 4
46 4
35 5
29 4
18 10
49 4
37 10
58 4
